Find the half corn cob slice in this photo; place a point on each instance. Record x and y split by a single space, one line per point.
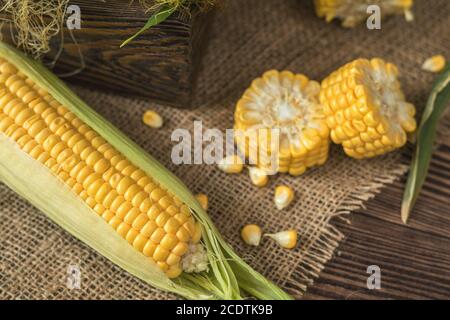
101 187
366 108
280 125
353 12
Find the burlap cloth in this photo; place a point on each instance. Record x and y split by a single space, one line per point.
247 38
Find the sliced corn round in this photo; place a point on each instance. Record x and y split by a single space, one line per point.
280 125
366 108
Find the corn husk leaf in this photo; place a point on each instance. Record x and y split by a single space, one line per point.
227 271
437 102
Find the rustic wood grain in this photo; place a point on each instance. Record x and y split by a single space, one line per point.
161 64
414 259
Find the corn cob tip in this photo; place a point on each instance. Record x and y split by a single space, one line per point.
152 119
251 234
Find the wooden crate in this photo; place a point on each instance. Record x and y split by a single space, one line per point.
160 65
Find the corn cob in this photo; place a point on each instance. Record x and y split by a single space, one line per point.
353 12
149 217
366 108
101 187
283 108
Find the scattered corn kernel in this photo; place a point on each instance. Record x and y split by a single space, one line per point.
203 200
286 239
353 12
434 64
152 119
258 176
366 109
231 164
283 197
251 234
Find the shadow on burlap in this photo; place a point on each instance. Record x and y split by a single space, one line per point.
247 38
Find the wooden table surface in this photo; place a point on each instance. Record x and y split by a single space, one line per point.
414 259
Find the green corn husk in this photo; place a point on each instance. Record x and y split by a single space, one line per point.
33 181
437 102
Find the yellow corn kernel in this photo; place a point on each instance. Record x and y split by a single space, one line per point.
379 120
149 248
284 195
286 239
180 249
434 64
280 125
251 234
173 259
172 226
157 235
258 176
203 200
173 271
160 254
152 119
183 235
196 236
231 164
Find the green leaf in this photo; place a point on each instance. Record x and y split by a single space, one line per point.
437 102
160 16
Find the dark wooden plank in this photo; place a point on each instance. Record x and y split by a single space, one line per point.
160 65
431 213
414 259
413 264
